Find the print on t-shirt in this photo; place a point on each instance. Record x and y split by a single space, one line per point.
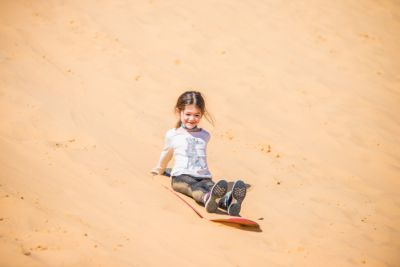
194 160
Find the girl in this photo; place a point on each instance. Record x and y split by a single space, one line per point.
190 174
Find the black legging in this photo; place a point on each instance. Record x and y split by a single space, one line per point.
193 187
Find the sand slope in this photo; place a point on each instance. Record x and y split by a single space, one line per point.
306 100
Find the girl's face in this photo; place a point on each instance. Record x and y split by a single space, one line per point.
190 116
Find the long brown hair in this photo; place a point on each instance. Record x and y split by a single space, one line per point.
192 98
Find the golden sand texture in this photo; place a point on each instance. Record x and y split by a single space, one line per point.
305 95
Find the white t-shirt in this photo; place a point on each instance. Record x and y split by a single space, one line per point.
189 150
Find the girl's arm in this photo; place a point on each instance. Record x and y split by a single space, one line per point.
165 157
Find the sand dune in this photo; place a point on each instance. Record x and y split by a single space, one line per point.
306 100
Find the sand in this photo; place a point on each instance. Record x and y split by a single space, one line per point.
306 101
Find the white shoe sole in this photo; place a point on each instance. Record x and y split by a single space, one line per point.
217 191
238 194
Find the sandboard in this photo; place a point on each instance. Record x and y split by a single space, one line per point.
202 213
237 220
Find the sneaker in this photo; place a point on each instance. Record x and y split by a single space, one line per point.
217 191
225 201
238 195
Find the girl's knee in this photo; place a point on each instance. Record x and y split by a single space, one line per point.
181 187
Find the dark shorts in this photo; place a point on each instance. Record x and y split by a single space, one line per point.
191 186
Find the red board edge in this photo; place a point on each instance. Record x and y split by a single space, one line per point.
240 221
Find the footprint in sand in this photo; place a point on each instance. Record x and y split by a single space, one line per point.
25 251
71 143
264 148
367 37
63 144
40 248
228 135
